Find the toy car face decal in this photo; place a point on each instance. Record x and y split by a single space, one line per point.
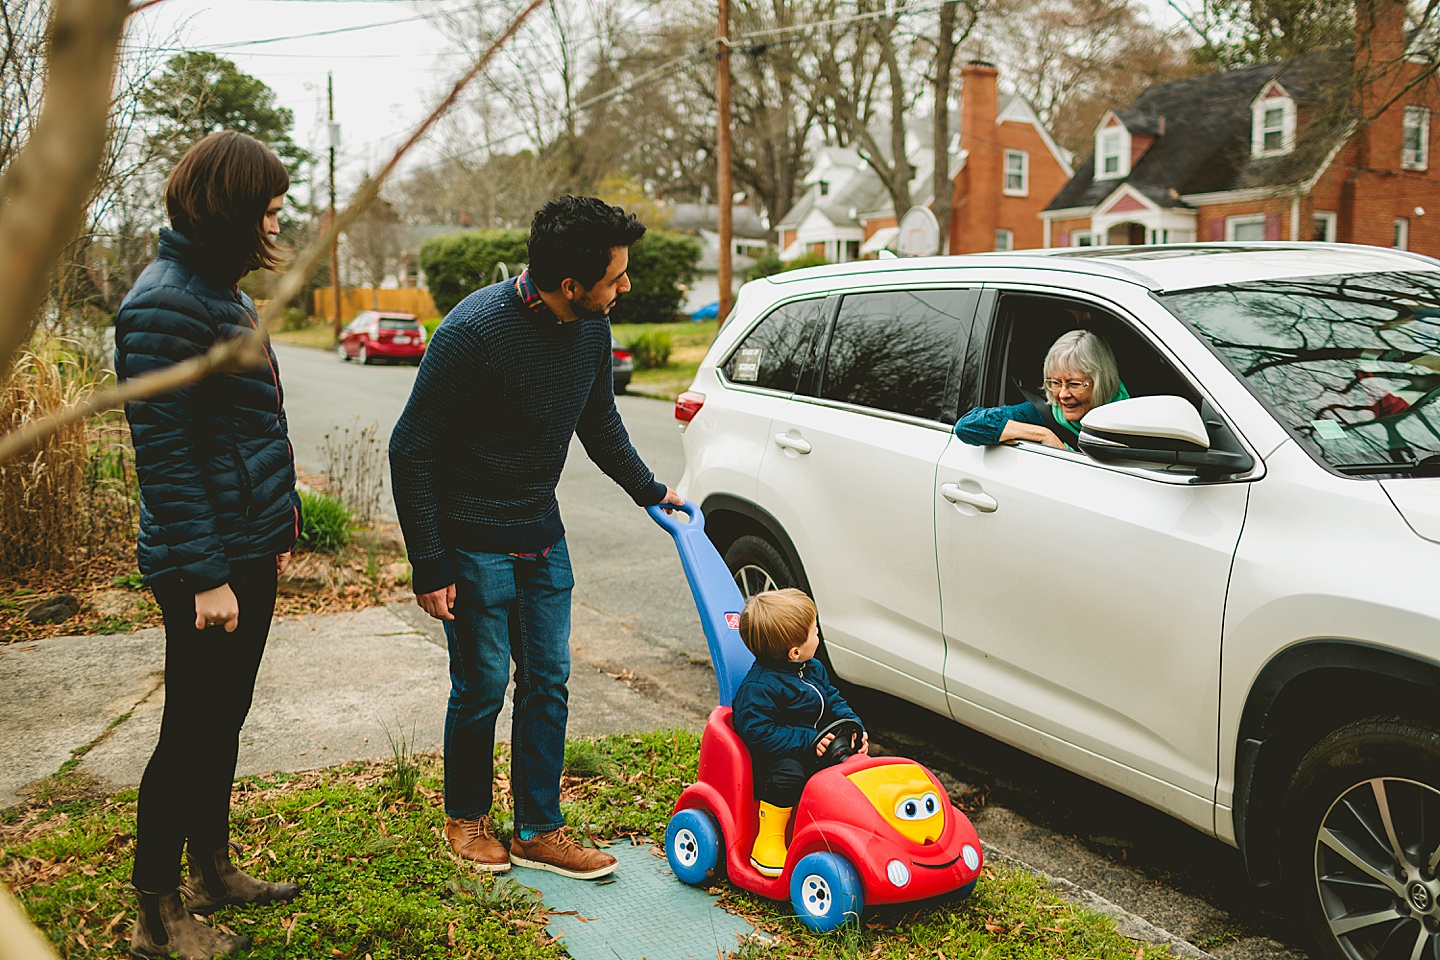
906 798
918 807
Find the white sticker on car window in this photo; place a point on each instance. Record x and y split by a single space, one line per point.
1328 429
747 364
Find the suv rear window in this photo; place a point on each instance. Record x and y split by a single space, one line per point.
773 354
895 350
390 323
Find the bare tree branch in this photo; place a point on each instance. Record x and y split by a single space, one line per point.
233 355
43 193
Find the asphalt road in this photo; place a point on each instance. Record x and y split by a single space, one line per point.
625 566
633 610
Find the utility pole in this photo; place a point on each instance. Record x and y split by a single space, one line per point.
725 191
334 131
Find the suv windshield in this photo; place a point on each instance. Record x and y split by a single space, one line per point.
1351 364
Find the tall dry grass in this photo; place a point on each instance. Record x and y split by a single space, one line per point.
70 501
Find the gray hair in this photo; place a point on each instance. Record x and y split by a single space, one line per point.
1084 351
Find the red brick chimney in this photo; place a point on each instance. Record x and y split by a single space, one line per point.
1379 76
976 209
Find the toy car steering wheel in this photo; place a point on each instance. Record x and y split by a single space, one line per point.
845 730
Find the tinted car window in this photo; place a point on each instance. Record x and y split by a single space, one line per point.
773 354
393 324
1350 364
895 350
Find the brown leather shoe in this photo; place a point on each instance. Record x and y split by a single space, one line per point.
212 882
559 852
166 929
475 840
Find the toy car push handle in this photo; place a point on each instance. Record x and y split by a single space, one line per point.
716 597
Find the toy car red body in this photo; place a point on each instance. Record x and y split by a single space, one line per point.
869 830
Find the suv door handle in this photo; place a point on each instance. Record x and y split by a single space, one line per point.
980 501
792 443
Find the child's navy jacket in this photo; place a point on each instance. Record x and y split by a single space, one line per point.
779 708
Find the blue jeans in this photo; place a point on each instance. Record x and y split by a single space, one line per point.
509 608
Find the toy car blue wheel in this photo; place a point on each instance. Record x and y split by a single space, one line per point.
966 890
825 891
693 846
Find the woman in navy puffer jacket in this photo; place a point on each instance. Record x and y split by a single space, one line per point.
218 516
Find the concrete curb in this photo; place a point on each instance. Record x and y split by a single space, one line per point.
1128 924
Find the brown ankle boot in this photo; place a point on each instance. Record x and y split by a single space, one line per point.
166 929
214 882
475 840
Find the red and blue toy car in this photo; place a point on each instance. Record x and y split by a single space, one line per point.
867 831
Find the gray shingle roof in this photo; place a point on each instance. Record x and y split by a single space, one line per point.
1205 146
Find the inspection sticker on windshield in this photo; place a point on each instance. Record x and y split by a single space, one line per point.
1328 429
747 364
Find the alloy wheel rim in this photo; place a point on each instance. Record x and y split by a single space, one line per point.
752 579
1377 853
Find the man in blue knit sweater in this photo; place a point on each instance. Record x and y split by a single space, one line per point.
516 370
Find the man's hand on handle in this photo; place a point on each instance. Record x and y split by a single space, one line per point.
438 603
672 499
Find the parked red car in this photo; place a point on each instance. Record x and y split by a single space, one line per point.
374 336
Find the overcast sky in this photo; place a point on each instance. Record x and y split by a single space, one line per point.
389 58
387 74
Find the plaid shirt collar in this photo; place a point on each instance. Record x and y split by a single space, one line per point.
530 296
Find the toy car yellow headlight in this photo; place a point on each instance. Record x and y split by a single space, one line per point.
906 798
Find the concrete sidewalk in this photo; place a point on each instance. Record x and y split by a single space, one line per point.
329 688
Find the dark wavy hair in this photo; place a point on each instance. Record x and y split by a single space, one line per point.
217 196
573 236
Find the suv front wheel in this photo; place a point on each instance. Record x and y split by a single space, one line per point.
1361 840
758 565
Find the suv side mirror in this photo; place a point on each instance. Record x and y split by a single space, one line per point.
1162 431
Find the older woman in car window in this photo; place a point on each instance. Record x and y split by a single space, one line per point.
1080 374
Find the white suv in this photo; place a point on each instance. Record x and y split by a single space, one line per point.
1226 607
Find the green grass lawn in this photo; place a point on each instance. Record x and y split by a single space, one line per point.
689 342
365 842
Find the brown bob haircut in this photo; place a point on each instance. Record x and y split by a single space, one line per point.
776 620
217 196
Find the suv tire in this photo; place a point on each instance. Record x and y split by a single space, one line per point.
757 564
1361 836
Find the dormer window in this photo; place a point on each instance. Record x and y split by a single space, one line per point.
1272 117
824 188
1112 149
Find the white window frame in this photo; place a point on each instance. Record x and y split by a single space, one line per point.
1023 172
1402 233
1007 237
1258 129
1332 224
1120 151
1419 159
1233 225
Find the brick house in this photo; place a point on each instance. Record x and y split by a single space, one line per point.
1334 145
1002 161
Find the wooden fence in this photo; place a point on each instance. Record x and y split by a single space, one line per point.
355 299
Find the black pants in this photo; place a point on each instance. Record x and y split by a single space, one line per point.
209 681
782 784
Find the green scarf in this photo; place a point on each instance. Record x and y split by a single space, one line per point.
1059 415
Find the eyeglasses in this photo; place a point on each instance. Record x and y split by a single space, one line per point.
1075 386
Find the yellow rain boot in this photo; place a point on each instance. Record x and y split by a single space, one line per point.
768 855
